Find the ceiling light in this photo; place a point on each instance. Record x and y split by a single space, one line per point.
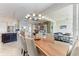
33 14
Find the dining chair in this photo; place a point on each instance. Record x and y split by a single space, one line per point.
32 50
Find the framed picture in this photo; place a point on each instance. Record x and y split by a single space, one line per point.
11 29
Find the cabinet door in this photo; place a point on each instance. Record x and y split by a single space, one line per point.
13 37
5 38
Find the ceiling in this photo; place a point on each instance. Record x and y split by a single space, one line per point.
19 10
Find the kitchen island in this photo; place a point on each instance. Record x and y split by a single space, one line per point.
9 37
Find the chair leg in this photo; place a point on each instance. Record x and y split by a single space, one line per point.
25 52
21 51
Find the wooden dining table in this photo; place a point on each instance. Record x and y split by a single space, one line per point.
52 48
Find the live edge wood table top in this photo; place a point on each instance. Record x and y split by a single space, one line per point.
50 48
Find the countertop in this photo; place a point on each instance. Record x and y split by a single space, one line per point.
50 48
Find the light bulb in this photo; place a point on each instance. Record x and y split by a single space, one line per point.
43 17
33 14
30 18
28 15
39 15
24 27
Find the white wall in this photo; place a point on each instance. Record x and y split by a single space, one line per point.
61 16
6 21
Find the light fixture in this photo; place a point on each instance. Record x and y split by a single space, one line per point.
26 17
30 18
43 16
35 17
39 15
24 27
34 14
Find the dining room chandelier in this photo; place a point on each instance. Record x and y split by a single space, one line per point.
35 17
